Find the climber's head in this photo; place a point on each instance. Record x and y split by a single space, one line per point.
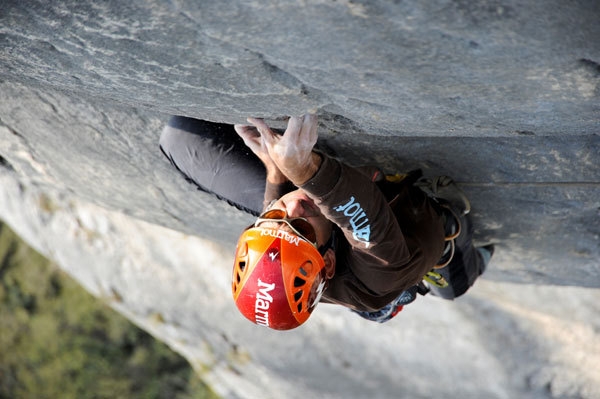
283 262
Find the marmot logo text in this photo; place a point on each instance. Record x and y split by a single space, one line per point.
263 302
361 229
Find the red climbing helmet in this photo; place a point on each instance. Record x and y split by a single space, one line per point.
278 277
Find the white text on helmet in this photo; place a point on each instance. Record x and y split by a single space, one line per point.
263 302
291 238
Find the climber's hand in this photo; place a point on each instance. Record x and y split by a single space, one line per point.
293 152
253 140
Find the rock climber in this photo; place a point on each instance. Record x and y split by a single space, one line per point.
326 231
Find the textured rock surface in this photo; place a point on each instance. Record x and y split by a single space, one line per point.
429 69
502 95
535 197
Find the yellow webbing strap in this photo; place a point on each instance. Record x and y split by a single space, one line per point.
397 178
436 279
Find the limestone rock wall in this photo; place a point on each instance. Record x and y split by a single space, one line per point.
501 94
432 68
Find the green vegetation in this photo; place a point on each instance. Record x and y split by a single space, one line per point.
57 341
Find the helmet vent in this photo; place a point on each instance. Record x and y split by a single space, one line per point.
299 282
242 265
298 295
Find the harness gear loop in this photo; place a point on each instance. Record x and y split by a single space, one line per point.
455 228
446 259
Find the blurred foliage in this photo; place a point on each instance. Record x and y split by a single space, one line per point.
58 341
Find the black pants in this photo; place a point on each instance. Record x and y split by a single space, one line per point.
214 158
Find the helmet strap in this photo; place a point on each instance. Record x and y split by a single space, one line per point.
331 243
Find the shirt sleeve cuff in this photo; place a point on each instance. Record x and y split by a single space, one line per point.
325 179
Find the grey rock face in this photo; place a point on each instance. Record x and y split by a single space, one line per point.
407 82
436 68
502 95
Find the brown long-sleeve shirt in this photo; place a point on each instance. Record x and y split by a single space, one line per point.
387 247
